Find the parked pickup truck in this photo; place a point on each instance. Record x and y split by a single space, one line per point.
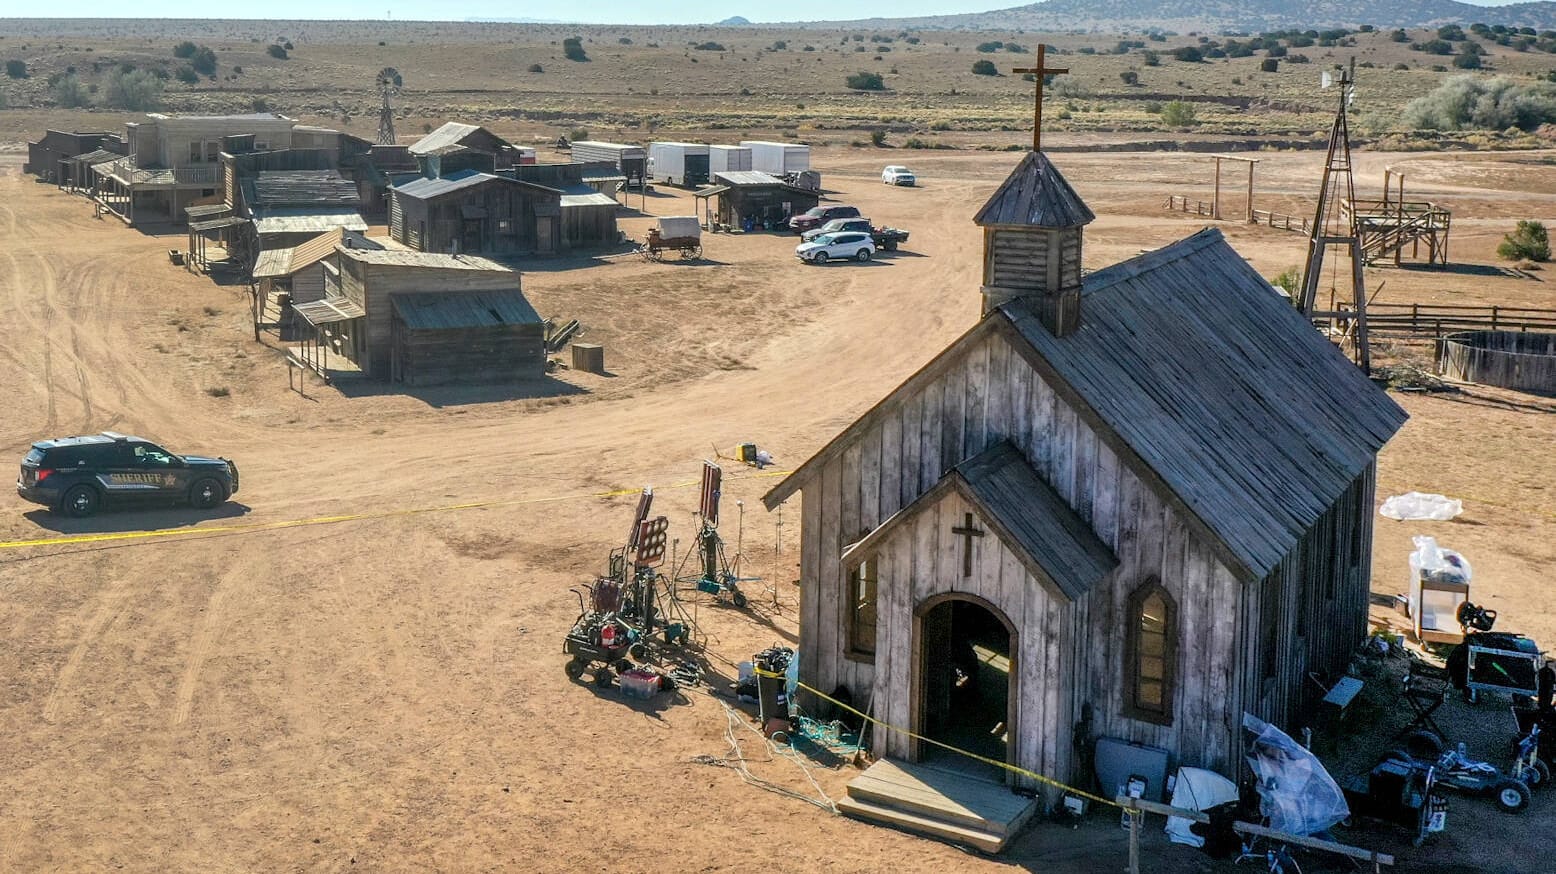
884 238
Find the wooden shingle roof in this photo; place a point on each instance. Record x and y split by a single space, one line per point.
443 311
1254 420
1035 194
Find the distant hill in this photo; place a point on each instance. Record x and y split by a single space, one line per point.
733 21
1242 15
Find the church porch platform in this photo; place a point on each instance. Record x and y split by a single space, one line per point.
940 802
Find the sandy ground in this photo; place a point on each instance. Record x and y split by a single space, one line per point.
387 694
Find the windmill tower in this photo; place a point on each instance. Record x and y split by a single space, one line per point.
1334 226
388 83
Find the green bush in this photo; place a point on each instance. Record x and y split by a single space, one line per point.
1188 54
16 69
1399 36
536 68
185 49
990 47
138 91
203 61
69 93
276 51
578 133
1467 61
713 47
1528 243
984 68
1129 77
863 81
1288 280
1470 102
573 50
1178 113
878 138
186 75
1150 58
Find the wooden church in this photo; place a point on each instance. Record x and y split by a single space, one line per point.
1128 504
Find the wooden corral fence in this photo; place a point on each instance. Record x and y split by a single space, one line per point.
1522 361
1277 220
1435 320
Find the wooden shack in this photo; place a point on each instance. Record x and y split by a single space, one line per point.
455 138
368 281
48 156
1133 504
765 200
476 212
465 337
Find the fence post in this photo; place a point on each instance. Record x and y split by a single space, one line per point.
1135 816
1493 318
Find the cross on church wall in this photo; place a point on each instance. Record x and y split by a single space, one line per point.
968 532
1039 73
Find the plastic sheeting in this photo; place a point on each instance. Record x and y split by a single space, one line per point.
1196 789
1296 793
1419 506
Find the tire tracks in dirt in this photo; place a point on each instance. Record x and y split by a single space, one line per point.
205 639
110 605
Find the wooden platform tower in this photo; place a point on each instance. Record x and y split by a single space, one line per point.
1334 226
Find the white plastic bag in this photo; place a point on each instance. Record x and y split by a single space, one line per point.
1438 565
1295 791
1419 506
1196 789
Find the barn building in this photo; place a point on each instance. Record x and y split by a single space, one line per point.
476 212
1132 505
422 318
750 195
466 146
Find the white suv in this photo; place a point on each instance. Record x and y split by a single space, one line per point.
897 174
848 244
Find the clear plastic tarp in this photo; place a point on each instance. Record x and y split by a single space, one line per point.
1296 794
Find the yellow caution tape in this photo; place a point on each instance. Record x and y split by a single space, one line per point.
1014 769
331 520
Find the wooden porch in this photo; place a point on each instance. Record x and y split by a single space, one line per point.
938 801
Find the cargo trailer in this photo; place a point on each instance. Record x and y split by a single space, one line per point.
724 159
779 159
632 161
683 164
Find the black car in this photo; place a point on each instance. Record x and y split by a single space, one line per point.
78 475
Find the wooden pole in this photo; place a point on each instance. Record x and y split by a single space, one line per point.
1215 205
1250 193
1135 817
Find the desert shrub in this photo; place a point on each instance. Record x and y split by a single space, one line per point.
779 46
984 68
863 81
1178 113
236 71
203 61
578 133
1467 60
625 40
137 91
1434 47
711 46
940 124
808 49
1151 107
185 49
536 68
1015 48
912 40
1472 103
16 69
1188 54
1150 58
1529 242
69 93
1269 65
1288 280
186 75
990 47
1129 77
1399 36
1275 52
259 104
1402 66
573 50
1451 33
1087 50
276 51
287 44
878 138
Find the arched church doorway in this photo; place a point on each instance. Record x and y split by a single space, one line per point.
967 687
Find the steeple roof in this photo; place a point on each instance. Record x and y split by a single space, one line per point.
1036 195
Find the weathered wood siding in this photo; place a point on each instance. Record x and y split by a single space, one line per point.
1032 259
1070 655
496 353
308 283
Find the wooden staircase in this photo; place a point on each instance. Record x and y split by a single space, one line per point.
938 802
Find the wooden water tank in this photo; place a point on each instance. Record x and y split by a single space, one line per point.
589 357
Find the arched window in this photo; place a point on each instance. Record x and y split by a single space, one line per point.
1151 653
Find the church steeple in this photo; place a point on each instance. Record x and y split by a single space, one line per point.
1032 234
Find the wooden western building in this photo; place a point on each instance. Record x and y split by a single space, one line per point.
49 156
1134 504
761 199
476 212
433 335
457 146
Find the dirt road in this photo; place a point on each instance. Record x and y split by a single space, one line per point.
387 694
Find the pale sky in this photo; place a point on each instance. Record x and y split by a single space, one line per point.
571 11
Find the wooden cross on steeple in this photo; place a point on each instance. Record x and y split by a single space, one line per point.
1039 72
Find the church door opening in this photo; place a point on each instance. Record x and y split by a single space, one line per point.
967 681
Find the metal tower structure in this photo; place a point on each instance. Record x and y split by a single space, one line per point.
388 82
1334 226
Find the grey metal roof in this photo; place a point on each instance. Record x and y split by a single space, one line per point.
1035 194
586 195
97 156
303 220
272 264
1252 418
329 310
450 134
437 311
206 210
423 188
299 188
741 178
217 223
413 258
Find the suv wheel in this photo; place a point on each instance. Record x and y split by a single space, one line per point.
206 494
862 255
80 501
819 258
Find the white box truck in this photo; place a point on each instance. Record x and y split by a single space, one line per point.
778 158
630 160
683 164
725 159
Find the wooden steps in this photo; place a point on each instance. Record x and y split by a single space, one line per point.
938 802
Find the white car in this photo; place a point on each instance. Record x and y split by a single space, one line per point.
849 244
897 174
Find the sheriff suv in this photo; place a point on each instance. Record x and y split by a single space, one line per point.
79 475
